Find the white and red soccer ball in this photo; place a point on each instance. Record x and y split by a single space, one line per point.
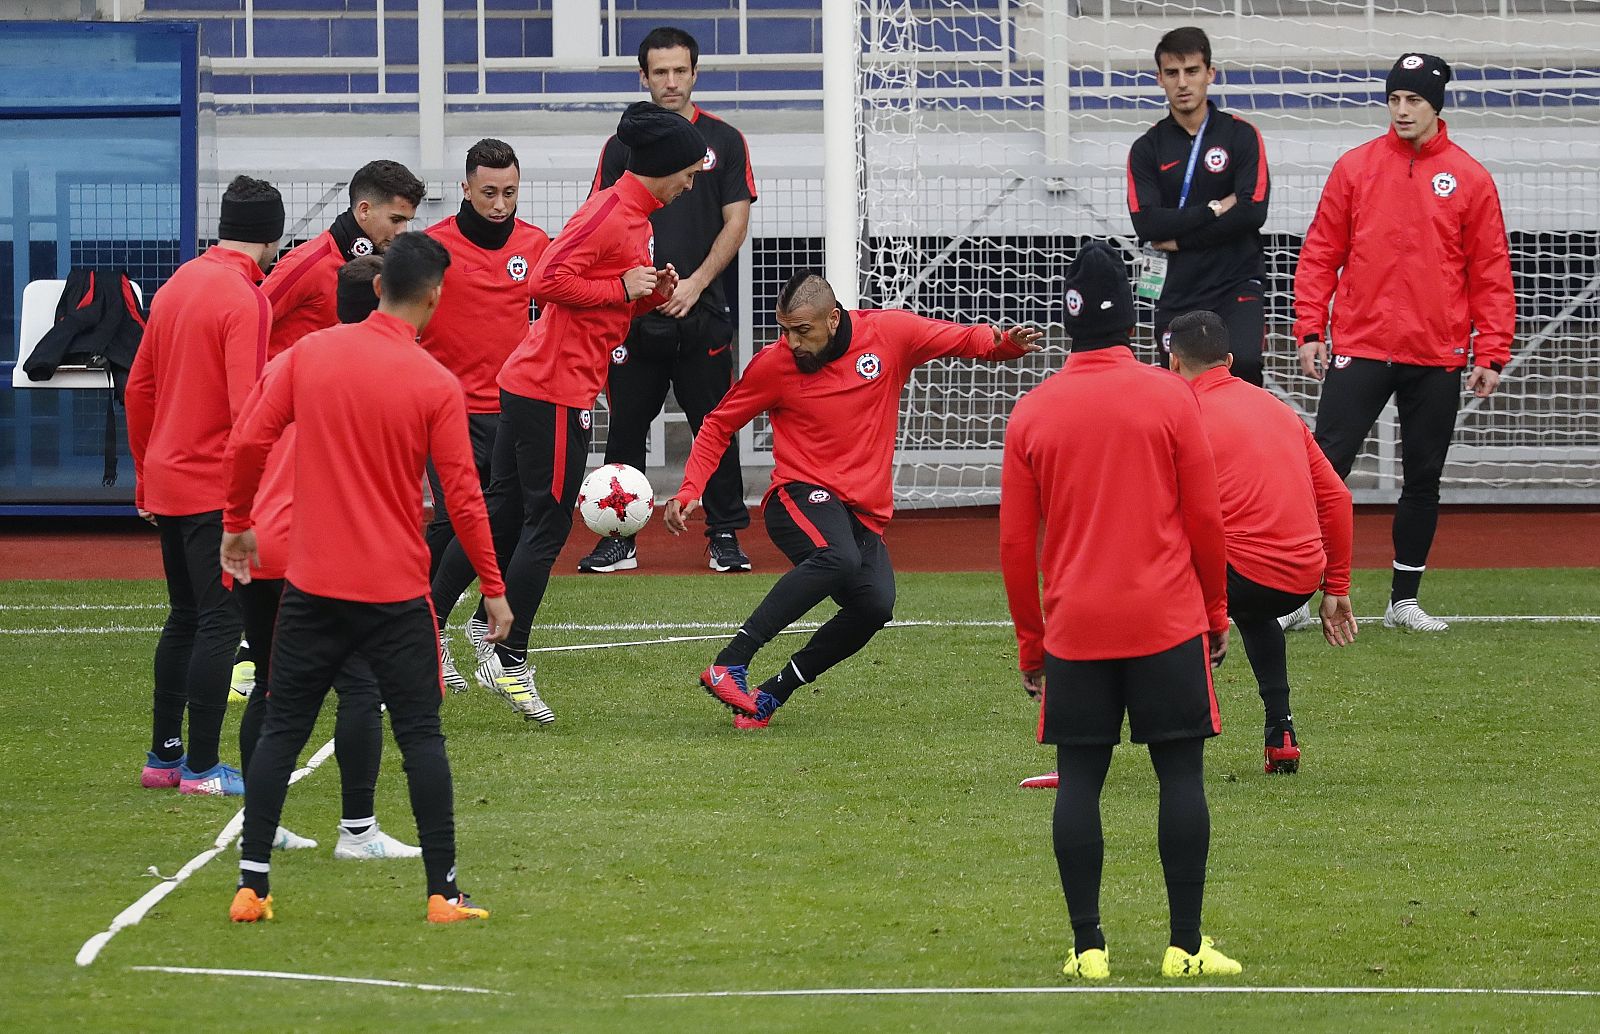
616 501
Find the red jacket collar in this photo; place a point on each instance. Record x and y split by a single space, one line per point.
635 193
390 326
235 260
1112 355
1212 379
1440 141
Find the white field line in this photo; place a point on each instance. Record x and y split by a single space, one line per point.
837 992
131 915
722 629
322 978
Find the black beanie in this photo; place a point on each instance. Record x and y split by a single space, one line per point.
1423 75
1098 301
253 222
660 142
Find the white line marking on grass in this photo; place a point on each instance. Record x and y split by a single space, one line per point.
270 974
876 991
83 606
131 915
807 626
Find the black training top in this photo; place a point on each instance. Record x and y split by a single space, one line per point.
1216 254
686 228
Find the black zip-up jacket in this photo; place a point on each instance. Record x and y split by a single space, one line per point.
1216 254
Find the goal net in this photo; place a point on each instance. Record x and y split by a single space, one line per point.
993 139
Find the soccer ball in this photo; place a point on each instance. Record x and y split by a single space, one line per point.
616 501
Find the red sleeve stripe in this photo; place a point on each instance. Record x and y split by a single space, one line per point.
263 330
1260 193
1133 192
280 288
1211 686
131 301
749 171
568 241
88 296
801 521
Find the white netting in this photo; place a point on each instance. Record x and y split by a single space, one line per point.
994 136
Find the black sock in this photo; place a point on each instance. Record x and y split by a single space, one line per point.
1405 585
1277 708
784 683
357 827
1087 935
256 881
741 651
442 882
1183 835
511 658
168 753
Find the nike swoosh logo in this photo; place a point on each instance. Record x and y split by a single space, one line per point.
716 680
1170 164
718 351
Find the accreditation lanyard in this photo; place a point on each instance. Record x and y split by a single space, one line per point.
1194 153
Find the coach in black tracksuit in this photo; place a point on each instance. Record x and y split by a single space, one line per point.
1197 193
688 343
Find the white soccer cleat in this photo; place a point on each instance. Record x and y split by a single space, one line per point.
1301 618
1409 615
286 840
373 844
453 679
516 685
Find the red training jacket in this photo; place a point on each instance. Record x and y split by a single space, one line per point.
303 289
359 454
1110 456
837 427
203 348
1410 249
484 311
583 308
1285 513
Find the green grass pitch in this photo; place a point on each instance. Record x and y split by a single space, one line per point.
1443 833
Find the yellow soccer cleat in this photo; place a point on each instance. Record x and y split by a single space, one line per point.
444 910
1207 962
1092 964
248 908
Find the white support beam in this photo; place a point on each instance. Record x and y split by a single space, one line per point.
575 31
841 113
430 83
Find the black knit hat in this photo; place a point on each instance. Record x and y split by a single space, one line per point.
1423 75
1098 300
660 142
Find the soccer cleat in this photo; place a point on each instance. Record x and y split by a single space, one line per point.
373 844
453 910
285 840
248 908
730 686
1093 964
217 781
1283 753
1207 962
610 555
515 686
725 554
1298 620
1409 616
158 774
766 704
1048 781
453 679
243 682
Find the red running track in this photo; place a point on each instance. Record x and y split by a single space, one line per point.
919 540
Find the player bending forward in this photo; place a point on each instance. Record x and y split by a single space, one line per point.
831 387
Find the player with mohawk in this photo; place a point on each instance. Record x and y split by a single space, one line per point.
831 386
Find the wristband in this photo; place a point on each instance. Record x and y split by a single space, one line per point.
1311 339
1497 367
623 280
